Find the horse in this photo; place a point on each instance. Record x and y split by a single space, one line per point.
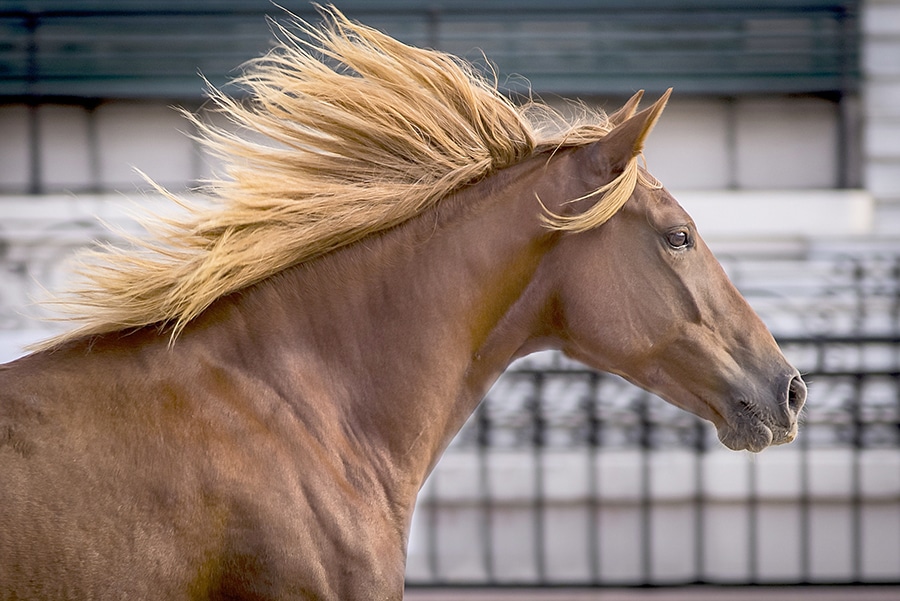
252 397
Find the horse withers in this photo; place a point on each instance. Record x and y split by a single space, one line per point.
252 402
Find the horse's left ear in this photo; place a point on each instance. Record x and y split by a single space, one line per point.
626 140
628 109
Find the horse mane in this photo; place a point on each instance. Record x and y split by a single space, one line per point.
344 132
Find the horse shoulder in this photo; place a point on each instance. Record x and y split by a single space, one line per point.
215 473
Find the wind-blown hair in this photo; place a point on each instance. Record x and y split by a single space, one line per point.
345 132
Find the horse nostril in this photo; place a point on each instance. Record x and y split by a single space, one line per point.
796 395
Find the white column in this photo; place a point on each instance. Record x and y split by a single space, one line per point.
881 96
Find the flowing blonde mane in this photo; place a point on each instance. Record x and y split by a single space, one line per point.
345 132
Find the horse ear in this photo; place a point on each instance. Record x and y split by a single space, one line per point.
627 110
626 140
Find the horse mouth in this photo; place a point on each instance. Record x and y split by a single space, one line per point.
753 439
746 430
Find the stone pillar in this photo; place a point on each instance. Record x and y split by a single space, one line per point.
881 97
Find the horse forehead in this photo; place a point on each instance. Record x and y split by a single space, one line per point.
658 206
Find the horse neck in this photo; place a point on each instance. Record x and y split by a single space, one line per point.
402 334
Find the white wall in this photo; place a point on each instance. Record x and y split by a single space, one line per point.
753 144
80 149
750 144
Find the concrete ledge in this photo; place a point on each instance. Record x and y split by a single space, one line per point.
779 214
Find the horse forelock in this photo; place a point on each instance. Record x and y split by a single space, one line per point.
345 132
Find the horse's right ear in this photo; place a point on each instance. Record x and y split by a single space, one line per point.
626 140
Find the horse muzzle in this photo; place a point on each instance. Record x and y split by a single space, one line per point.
755 423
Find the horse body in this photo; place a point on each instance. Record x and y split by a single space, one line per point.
275 450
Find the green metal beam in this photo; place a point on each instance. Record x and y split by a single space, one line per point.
131 48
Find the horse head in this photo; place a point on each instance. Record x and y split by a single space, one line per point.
643 296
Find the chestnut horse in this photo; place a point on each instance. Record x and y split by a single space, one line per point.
254 399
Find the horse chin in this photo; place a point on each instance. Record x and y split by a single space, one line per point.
746 437
749 434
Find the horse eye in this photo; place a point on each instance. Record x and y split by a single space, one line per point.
678 239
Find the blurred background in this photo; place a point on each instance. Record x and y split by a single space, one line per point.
782 140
